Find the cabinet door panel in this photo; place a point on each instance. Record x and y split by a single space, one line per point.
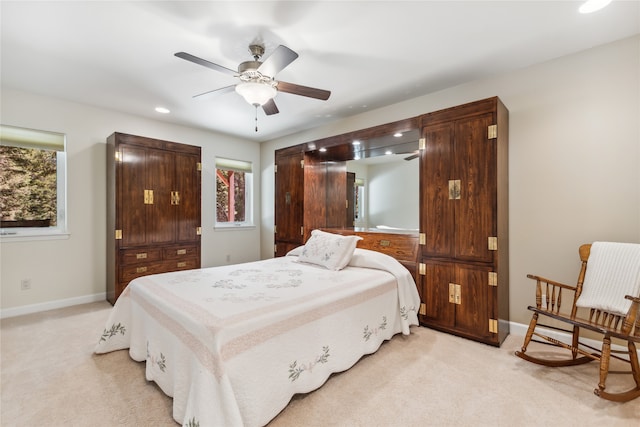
472 314
131 212
436 209
435 294
161 223
289 196
187 185
475 167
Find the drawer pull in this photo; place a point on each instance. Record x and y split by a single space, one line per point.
141 255
182 264
385 243
141 269
181 251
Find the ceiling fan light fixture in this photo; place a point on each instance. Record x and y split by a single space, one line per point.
256 93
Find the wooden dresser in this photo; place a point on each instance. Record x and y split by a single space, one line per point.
153 208
403 247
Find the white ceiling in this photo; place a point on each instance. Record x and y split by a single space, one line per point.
120 55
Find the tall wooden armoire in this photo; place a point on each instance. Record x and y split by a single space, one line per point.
153 208
464 250
310 193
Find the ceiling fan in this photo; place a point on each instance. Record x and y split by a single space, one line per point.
257 83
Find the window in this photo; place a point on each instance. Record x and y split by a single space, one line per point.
234 180
32 182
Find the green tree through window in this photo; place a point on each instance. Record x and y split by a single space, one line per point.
28 184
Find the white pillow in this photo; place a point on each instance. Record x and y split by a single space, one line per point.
328 250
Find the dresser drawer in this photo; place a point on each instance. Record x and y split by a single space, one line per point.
140 255
179 252
130 272
401 249
181 264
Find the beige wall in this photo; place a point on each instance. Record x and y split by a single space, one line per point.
73 270
574 157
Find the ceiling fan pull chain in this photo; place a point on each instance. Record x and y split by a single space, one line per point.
256 117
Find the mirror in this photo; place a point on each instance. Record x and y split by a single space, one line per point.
383 162
386 184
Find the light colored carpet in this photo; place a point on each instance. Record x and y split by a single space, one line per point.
50 377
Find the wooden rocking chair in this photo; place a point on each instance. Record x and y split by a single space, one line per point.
610 291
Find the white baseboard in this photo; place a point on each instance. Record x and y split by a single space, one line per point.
521 330
51 305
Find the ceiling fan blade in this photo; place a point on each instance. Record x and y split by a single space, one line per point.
219 91
310 92
205 63
270 107
277 61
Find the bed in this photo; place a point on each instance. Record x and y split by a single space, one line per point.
233 344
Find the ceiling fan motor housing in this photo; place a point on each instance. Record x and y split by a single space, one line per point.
249 67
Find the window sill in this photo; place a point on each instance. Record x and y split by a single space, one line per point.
8 236
229 227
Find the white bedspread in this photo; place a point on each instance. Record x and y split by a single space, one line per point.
233 344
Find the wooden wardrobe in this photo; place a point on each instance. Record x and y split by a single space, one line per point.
154 209
464 225
460 255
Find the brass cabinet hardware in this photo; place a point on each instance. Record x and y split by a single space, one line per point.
493 326
148 197
142 255
181 251
385 243
492 132
423 309
182 264
454 189
422 269
198 231
423 238
141 270
454 294
175 197
493 278
118 234
492 243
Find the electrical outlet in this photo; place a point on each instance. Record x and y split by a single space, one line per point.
25 284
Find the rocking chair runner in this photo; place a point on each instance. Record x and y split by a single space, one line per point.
610 290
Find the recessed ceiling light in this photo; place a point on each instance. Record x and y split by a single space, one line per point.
397 134
355 142
388 153
593 5
162 110
322 150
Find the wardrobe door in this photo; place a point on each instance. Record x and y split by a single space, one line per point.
475 167
289 197
131 208
186 197
436 282
437 207
472 301
161 217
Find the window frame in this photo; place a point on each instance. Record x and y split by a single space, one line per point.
226 163
14 136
